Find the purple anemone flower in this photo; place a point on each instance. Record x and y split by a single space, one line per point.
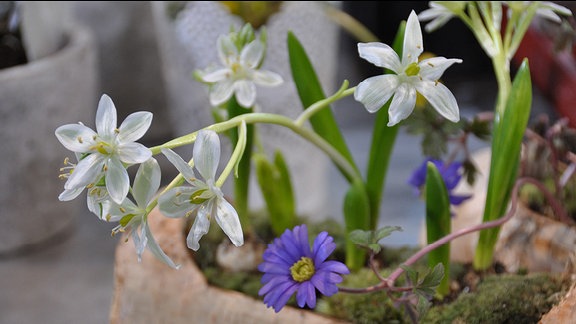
451 174
291 266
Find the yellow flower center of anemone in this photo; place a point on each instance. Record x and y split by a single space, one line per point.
412 69
303 269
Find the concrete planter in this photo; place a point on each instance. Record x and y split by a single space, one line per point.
37 98
152 292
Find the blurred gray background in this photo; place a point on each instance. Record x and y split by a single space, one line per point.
69 278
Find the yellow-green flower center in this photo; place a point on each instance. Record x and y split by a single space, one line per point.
195 197
412 69
302 270
102 148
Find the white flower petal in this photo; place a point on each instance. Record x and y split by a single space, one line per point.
266 78
374 92
133 153
134 126
182 167
216 75
221 92
227 218
440 97
76 137
252 54
402 104
199 228
87 171
146 182
206 153
556 8
413 45
245 93
140 241
117 180
175 203
69 194
433 68
227 50
106 121
156 250
380 55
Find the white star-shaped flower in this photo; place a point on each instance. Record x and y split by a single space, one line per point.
132 215
104 153
410 77
240 73
440 12
203 196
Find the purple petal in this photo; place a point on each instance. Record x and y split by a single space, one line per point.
306 294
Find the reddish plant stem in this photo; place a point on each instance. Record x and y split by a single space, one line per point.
388 283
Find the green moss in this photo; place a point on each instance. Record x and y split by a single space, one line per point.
504 298
375 307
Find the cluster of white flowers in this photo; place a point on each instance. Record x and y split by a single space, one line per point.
103 156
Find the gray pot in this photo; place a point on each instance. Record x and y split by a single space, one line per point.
35 99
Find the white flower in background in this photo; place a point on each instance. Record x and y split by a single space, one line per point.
132 215
440 12
204 197
545 9
411 77
104 153
240 73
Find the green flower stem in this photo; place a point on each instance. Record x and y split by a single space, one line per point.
276 119
236 156
319 105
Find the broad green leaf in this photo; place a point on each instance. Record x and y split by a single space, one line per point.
242 182
275 184
384 232
506 145
310 91
369 239
356 217
438 222
383 139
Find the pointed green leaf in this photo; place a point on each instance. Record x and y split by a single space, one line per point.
506 145
385 231
310 91
356 216
383 139
276 188
438 221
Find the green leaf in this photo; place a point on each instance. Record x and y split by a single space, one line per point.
276 186
369 239
383 139
384 232
505 159
411 273
438 221
242 182
310 91
356 217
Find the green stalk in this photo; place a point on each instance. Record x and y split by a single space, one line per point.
506 144
383 139
438 224
242 180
